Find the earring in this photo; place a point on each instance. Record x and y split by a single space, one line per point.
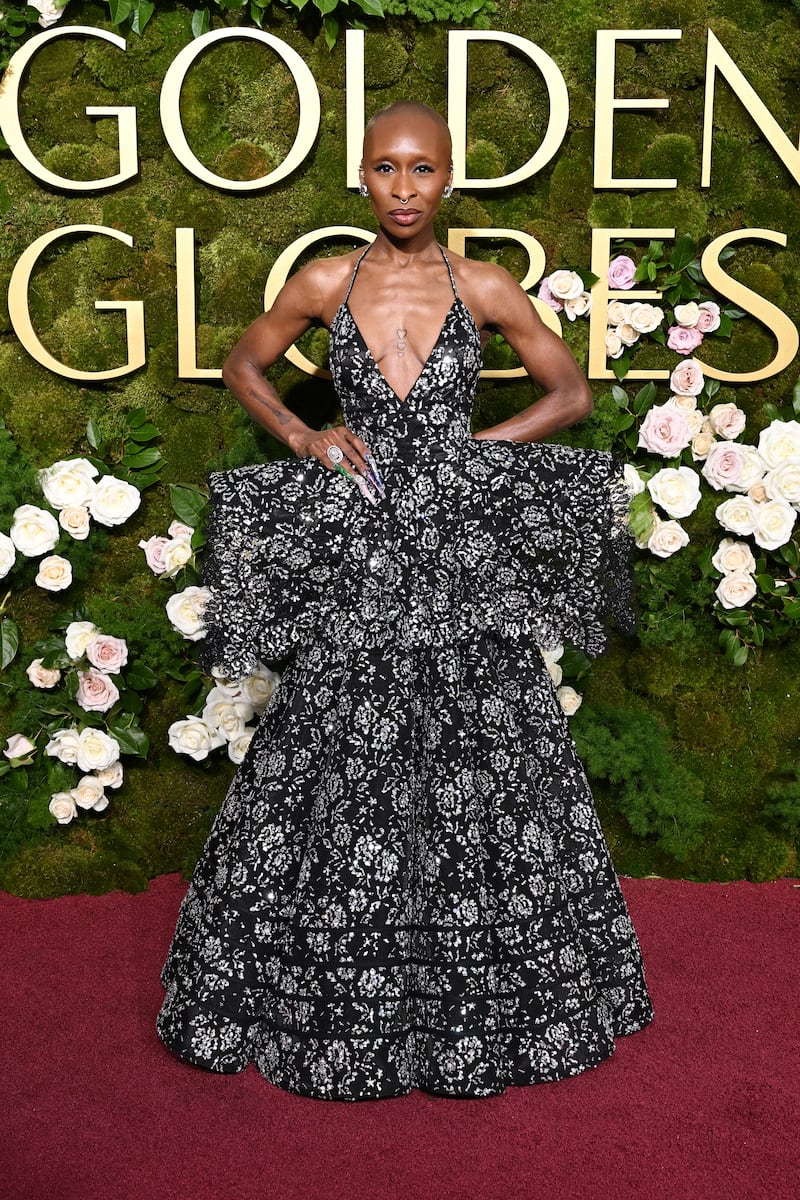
363 190
447 191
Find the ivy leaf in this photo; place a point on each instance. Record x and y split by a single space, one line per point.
93 436
641 518
120 10
588 278
651 272
144 432
620 366
9 642
683 252
132 739
142 12
725 328
740 654
140 678
644 398
330 27
373 8
619 396
142 458
201 22
187 504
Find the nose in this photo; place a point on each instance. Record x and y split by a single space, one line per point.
404 189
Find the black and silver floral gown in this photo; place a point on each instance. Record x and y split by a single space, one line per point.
407 885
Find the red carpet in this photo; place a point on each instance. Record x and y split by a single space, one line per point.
701 1104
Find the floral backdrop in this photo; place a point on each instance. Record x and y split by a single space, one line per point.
117 748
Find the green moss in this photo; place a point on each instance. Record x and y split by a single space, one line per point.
610 210
684 210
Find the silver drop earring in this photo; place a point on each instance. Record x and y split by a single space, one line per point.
447 191
363 190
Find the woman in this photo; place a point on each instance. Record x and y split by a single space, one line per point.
407 884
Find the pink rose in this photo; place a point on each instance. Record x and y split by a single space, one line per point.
96 692
687 379
708 320
621 271
665 430
107 653
153 553
547 297
683 338
724 464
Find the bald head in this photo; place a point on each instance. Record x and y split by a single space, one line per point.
410 111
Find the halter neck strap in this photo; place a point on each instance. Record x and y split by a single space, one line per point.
366 251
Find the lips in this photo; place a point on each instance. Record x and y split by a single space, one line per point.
405 216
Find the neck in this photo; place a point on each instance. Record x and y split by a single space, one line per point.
403 251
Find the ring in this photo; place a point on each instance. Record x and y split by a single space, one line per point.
335 453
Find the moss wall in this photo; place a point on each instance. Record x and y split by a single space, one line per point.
729 735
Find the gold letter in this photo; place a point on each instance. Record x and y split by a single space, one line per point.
458 44
598 318
776 321
12 130
718 59
457 240
21 318
606 103
280 273
171 120
187 310
354 101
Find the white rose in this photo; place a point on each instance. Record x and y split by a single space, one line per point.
68 483
701 444
627 334
63 745
633 479
114 500
723 466
96 750
101 804
74 520
614 346
617 313
565 285
111 776
727 420
667 538
194 737
175 555
736 589
569 700
88 791
774 523
49 11
779 443
78 636
687 314
733 556
62 806
753 468
551 656
8 555
738 515
554 670
33 531
19 746
686 404
676 490
238 747
226 714
258 687
757 493
54 574
42 677
645 317
179 529
185 611
578 307
783 483
695 421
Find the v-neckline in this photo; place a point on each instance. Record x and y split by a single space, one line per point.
401 399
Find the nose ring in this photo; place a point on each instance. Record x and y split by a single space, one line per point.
406 200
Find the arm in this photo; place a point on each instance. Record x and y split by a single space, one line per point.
547 360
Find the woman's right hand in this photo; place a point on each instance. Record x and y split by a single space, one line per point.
353 461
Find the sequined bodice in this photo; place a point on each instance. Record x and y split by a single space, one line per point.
435 415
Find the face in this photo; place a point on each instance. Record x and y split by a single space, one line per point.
406 158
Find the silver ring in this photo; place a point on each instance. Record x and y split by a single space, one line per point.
335 453
406 200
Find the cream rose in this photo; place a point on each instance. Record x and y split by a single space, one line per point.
179 529
111 776
96 750
185 611
552 656
176 554
783 483
62 806
701 445
633 479
687 379
64 745
68 483
753 468
664 431
757 493
555 671
19 746
676 490
74 520
667 538
109 654
54 574
644 317
569 700
227 714
33 530
686 404
96 692
238 747
779 443
565 285
727 420
78 636
733 556
686 315
774 524
578 307
695 422
42 677
614 346
114 500
49 11
738 515
736 589
723 465
708 318
258 687
87 792
194 737
8 555
627 334
617 313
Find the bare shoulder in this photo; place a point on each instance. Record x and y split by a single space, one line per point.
326 280
488 289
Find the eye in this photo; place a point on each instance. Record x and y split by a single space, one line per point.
426 168
383 168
